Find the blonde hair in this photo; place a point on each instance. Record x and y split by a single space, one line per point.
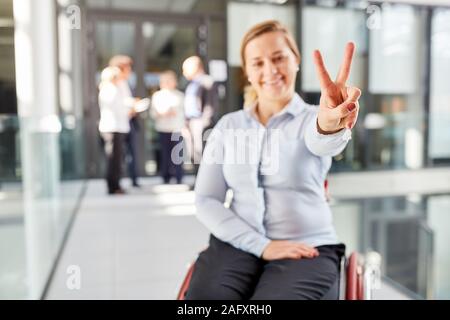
109 74
256 31
250 96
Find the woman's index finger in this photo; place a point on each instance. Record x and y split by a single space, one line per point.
322 73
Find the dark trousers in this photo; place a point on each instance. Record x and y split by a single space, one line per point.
113 144
130 142
168 167
223 272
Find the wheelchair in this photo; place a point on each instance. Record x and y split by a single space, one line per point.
354 283
359 274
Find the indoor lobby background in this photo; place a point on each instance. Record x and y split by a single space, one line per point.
390 187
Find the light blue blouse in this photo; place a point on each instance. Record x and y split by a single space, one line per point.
276 174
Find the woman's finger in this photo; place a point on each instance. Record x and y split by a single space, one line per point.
344 110
344 71
354 94
305 253
350 121
308 249
309 254
348 106
322 73
290 254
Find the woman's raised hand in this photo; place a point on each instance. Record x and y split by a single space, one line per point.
338 103
282 249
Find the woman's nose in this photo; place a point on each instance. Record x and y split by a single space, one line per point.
270 68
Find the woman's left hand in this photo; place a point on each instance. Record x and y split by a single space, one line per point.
338 103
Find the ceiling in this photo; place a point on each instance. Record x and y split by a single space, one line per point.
6 8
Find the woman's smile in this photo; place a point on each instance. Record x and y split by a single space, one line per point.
273 83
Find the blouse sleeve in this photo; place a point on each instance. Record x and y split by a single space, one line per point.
325 145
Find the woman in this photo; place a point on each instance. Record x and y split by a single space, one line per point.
276 239
114 124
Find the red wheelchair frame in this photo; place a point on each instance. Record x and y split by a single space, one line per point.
351 283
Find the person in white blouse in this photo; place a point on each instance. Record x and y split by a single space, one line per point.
125 63
168 113
116 108
275 239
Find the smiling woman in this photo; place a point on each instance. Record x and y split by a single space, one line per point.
284 55
278 219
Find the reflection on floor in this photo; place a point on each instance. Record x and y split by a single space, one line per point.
12 258
11 201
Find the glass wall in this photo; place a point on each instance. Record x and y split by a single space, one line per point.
396 90
439 122
411 234
389 67
329 29
12 238
9 156
41 152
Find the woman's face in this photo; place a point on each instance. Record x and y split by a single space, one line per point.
271 67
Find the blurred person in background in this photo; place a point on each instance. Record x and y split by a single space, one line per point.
125 64
168 112
276 239
114 124
200 105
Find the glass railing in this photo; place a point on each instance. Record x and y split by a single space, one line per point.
410 233
41 182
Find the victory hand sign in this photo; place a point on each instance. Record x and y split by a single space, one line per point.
338 103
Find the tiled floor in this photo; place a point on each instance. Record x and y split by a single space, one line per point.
135 246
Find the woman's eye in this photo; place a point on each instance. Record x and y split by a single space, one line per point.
278 58
257 64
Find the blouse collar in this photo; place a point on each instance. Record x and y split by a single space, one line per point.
294 107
